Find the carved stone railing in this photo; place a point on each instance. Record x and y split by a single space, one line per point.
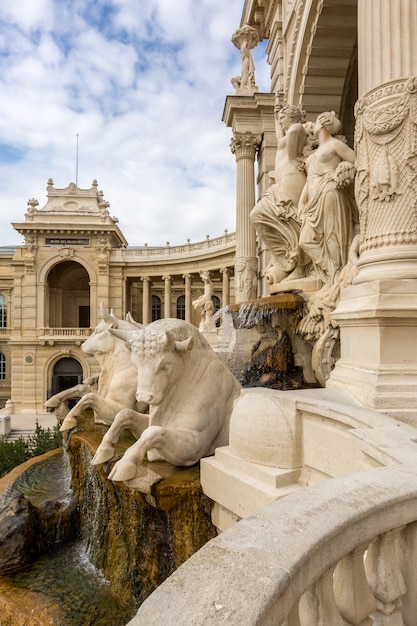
151 253
338 553
5 332
68 333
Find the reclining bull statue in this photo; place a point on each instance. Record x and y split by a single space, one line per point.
190 393
115 387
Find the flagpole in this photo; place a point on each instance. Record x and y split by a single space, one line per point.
76 165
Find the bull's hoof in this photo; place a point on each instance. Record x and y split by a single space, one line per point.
144 479
103 454
123 470
68 424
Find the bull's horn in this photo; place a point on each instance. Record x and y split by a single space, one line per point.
122 334
131 320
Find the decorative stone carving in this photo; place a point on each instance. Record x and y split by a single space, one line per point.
190 393
327 203
246 277
30 242
275 217
245 38
204 304
308 219
386 187
116 385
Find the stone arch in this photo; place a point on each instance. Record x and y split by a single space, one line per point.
63 372
67 301
323 58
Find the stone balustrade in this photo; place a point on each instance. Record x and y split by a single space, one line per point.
152 253
341 552
67 332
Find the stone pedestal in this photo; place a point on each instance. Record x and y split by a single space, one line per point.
378 364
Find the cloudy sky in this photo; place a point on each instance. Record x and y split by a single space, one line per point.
143 84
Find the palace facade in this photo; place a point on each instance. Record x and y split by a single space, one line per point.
74 257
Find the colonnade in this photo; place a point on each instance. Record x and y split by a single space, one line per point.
170 287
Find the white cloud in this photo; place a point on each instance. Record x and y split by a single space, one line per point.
143 84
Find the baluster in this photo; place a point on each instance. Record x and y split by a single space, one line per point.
353 596
385 578
408 568
317 604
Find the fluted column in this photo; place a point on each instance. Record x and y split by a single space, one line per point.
244 146
225 286
387 42
167 296
187 279
146 300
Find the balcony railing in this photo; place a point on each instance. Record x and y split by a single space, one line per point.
68 333
338 553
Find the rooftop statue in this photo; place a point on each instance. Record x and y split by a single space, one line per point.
190 393
114 388
245 38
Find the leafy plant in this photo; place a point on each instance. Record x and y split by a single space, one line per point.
13 453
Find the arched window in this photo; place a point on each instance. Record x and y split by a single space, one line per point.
2 366
156 308
216 302
181 308
3 311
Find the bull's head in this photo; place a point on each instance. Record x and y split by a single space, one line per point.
100 341
157 356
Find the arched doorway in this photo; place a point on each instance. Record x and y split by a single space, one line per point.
67 373
69 296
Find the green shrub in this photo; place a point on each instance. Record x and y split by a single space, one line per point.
13 453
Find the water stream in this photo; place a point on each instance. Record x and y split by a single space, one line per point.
61 587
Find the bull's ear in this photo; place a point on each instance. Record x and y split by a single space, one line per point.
184 345
122 334
131 320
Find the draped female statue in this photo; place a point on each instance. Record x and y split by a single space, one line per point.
327 203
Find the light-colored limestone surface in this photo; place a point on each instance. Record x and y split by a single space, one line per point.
301 561
115 387
190 393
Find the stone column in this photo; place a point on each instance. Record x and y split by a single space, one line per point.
146 300
225 286
378 314
167 296
386 139
244 146
187 278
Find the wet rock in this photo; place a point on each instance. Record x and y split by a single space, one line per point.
18 524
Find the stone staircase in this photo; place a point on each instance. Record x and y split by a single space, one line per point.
16 434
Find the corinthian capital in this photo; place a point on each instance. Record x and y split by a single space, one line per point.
245 144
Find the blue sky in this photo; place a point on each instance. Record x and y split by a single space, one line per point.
143 84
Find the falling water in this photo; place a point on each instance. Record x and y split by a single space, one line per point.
259 342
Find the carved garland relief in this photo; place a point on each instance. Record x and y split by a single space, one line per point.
386 146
